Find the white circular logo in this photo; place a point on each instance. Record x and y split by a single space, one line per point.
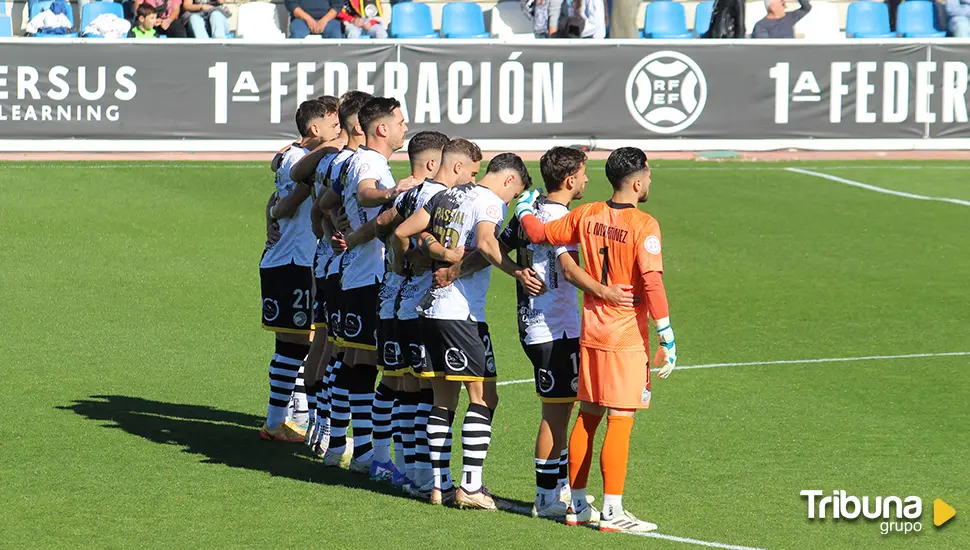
666 92
271 309
490 363
456 359
574 384
417 356
352 325
299 318
652 244
392 354
546 381
645 396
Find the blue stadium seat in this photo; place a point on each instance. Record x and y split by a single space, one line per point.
665 19
867 19
702 17
411 20
37 7
6 27
463 20
917 20
91 11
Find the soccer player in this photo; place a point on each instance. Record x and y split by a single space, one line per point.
321 169
621 245
367 186
453 322
286 275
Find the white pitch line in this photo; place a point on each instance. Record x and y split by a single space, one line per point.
791 362
695 541
877 189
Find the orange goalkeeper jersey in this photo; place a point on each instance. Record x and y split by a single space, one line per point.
620 243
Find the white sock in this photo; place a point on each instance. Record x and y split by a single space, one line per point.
544 496
382 454
612 506
579 500
399 455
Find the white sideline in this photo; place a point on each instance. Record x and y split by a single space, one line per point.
695 541
790 362
875 188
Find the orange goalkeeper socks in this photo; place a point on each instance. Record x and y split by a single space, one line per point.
616 453
581 449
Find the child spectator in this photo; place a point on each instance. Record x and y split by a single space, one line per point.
363 17
168 11
145 19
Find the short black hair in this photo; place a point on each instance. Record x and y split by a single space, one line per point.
144 10
311 109
624 162
462 146
510 161
559 163
376 109
350 104
427 140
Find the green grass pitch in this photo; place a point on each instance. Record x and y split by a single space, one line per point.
134 368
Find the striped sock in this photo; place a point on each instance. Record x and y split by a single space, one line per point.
339 415
563 467
383 405
476 434
422 456
439 445
299 409
361 409
283 371
408 410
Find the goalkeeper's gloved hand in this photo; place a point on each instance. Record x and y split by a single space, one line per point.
666 336
526 203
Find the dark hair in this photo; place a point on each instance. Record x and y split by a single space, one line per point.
350 104
425 141
330 104
510 161
144 10
559 163
376 109
461 146
622 163
309 110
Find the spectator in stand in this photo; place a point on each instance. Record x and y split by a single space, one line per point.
593 13
779 23
168 22
314 17
544 15
200 14
623 19
959 13
146 18
363 17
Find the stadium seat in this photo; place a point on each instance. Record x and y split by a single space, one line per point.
411 20
917 20
258 21
6 27
867 19
702 17
463 20
37 7
508 21
665 19
91 11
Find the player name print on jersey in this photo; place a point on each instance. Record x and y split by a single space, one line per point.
610 233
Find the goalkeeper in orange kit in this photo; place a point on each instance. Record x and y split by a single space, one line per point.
620 245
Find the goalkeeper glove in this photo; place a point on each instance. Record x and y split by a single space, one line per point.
665 335
526 203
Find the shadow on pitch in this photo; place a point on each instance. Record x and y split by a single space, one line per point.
220 437
228 438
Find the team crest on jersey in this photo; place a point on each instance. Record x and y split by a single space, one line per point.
575 384
335 320
352 325
645 396
490 363
271 309
493 212
652 244
456 359
299 319
546 381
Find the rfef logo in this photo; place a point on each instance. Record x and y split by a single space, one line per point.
666 92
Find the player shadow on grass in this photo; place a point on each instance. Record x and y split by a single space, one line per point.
228 438
221 437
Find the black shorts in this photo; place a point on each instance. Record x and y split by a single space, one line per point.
359 308
459 350
287 298
334 307
555 366
411 339
391 359
320 316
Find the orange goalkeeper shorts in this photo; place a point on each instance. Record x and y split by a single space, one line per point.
615 379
